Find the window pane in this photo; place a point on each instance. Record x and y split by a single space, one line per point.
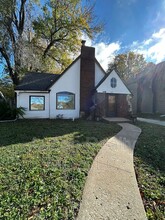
37 103
113 82
65 101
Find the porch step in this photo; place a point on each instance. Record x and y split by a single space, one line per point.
116 119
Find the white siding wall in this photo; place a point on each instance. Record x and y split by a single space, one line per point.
106 85
99 74
69 82
23 101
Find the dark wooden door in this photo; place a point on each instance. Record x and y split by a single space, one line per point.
111 108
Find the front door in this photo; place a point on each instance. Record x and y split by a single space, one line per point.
111 108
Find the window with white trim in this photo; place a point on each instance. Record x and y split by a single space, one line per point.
37 103
65 100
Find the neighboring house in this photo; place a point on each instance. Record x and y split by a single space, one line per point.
148 89
83 88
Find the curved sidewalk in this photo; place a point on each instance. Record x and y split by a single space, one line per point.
111 191
152 121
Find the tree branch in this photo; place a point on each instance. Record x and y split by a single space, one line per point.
5 56
57 60
55 31
8 24
22 17
53 42
15 20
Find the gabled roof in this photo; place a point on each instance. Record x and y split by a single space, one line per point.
107 74
102 80
160 72
150 74
100 66
60 75
35 81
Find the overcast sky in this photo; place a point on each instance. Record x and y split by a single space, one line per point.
137 25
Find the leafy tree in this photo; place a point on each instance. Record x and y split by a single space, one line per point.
46 40
128 64
61 26
6 89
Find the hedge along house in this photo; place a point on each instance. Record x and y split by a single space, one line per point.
83 86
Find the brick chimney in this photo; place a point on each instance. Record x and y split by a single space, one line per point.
87 78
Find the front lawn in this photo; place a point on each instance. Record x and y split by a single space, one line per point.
150 169
44 164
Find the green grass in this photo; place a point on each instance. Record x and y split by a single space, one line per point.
44 164
152 116
150 169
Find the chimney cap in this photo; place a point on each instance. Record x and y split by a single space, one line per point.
83 42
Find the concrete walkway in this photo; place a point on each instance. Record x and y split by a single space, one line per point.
152 121
116 119
111 191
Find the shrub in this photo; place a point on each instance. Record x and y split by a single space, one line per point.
8 112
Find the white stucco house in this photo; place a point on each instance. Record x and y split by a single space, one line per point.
73 93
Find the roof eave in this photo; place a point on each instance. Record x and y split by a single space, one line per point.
32 91
104 78
100 66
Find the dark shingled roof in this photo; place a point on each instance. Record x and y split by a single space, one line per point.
35 81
